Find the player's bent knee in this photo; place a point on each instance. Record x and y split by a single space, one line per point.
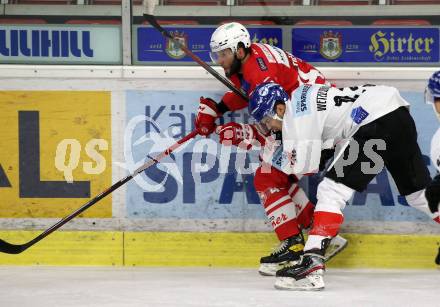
332 196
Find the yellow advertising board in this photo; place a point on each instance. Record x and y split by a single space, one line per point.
55 152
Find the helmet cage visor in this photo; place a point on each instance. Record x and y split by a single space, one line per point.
272 114
220 56
434 101
429 98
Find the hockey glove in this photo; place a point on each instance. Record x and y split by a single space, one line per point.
206 116
241 135
432 194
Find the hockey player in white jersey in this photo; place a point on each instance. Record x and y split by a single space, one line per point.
432 96
373 119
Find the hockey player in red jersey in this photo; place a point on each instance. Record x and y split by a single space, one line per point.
247 65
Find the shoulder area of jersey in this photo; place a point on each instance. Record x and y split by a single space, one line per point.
258 59
312 86
255 49
260 48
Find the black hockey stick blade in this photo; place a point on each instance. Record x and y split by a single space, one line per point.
9 248
152 20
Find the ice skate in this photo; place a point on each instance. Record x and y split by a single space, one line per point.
288 252
308 275
337 245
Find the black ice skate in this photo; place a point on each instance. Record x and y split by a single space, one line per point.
337 245
288 252
308 275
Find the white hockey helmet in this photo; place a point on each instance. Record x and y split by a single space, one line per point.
228 36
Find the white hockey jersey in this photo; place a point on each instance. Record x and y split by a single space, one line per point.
319 117
435 149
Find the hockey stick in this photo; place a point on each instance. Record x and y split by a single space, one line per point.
9 248
152 20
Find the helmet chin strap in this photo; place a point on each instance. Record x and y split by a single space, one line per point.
235 67
277 117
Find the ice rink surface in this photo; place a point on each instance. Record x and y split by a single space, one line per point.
184 287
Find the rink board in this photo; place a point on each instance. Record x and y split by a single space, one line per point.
137 111
66 248
212 220
69 248
55 149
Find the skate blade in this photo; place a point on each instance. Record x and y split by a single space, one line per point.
337 245
313 282
270 269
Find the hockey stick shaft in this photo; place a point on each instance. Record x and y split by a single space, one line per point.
9 248
152 20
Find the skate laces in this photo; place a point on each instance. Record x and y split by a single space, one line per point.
289 243
281 247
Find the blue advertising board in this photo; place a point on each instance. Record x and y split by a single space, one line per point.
194 182
368 45
153 47
207 181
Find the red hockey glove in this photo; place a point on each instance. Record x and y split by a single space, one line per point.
206 116
241 135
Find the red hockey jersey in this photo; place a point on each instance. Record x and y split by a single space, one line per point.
268 63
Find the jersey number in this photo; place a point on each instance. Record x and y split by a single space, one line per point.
343 99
